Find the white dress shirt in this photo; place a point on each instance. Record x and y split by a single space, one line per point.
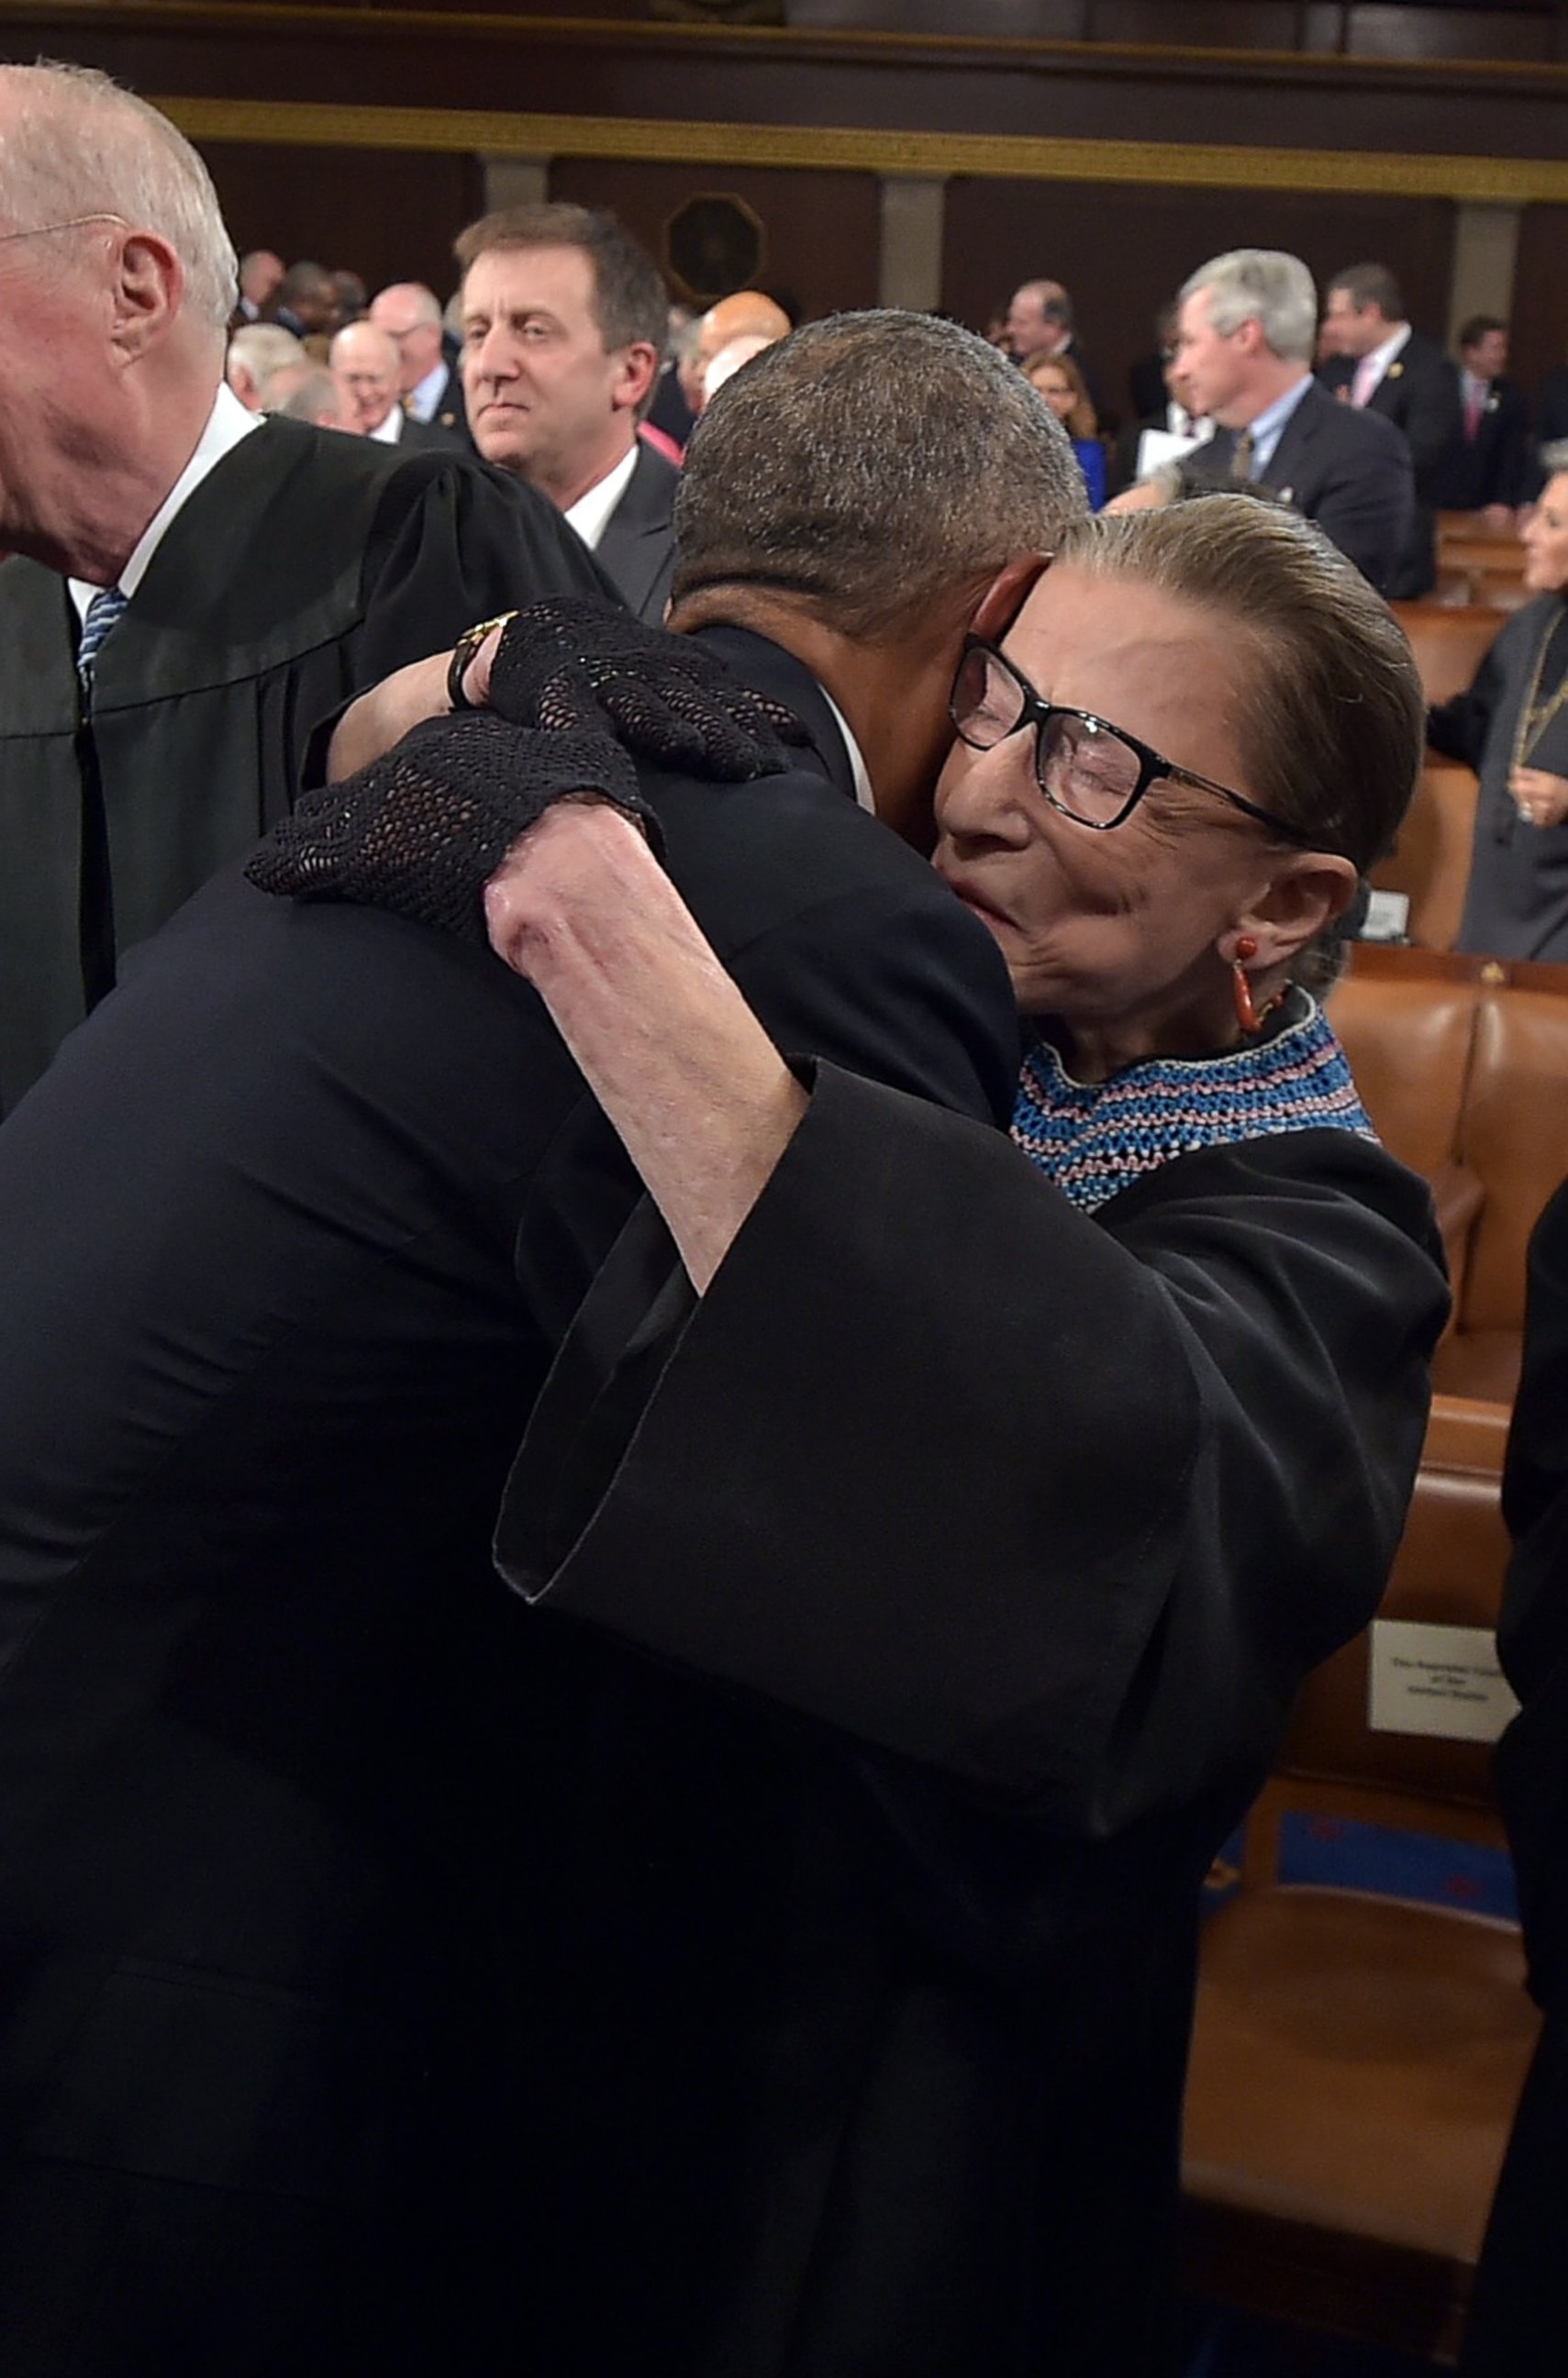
590 514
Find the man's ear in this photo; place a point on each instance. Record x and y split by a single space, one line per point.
638 364
1004 597
147 290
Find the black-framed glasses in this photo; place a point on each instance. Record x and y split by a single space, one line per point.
1095 773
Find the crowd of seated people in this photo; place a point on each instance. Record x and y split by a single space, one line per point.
751 1959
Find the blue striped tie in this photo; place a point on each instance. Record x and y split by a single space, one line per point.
102 613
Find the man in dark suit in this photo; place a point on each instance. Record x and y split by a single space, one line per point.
564 320
1246 330
1041 321
289 1785
1411 382
1488 469
430 388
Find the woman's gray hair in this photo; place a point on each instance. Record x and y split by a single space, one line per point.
1554 456
78 144
870 464
1265 285
1332 718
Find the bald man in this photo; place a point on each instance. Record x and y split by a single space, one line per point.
429 389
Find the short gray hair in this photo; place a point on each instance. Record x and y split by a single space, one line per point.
870 464
265 349
79 144
1554 456
1264 286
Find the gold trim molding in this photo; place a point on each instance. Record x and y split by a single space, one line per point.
1500 181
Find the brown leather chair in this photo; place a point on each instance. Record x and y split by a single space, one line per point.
1449 641
1463 1063
1356 2059
1431 860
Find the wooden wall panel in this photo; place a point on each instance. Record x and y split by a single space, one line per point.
822 230
1539 340
386 214
1123 252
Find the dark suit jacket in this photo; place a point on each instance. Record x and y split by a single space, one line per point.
637 549
1419 393
448 424
288 1236
1519 2327
1492 467
1346 470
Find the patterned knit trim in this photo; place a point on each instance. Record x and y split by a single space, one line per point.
1094 1138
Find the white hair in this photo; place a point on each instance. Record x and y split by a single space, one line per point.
77 144
1262 285
264 349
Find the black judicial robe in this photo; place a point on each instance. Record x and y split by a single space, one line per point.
968 1551
290 1785
304 568
1516 899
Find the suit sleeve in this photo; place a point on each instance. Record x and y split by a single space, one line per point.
1366 504
1434 421
1058 1507
454 542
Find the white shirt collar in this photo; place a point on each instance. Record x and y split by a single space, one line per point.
1380 358
590 514
387 431
1268 426
858 769
227 424
420 401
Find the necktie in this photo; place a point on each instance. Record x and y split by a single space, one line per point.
1241 457
1365 381
102 613
1475 405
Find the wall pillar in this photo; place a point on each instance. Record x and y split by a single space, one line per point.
514 182
1485 252
913 213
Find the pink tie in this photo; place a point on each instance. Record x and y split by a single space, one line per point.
1365 381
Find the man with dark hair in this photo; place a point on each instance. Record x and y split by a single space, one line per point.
323 2047
191 586
1388 367
307 301
1490 470
564 323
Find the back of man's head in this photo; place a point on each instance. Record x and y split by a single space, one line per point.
73 143
869 466
308 392
1265 285
1370 287
257 353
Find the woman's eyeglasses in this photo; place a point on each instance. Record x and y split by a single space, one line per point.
1092 772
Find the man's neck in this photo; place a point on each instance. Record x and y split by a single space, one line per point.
579 478
115 496
1274 379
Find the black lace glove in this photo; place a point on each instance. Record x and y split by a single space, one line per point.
421 830
571 663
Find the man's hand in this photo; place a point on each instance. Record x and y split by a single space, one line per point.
1541 798
371 726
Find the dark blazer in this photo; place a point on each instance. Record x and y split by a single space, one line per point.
1492 467
448 424
1419 393
1518 2325
287 1237
637 549
1343 468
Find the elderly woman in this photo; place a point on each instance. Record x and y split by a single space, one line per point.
989 1500
1060 382
1511 727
